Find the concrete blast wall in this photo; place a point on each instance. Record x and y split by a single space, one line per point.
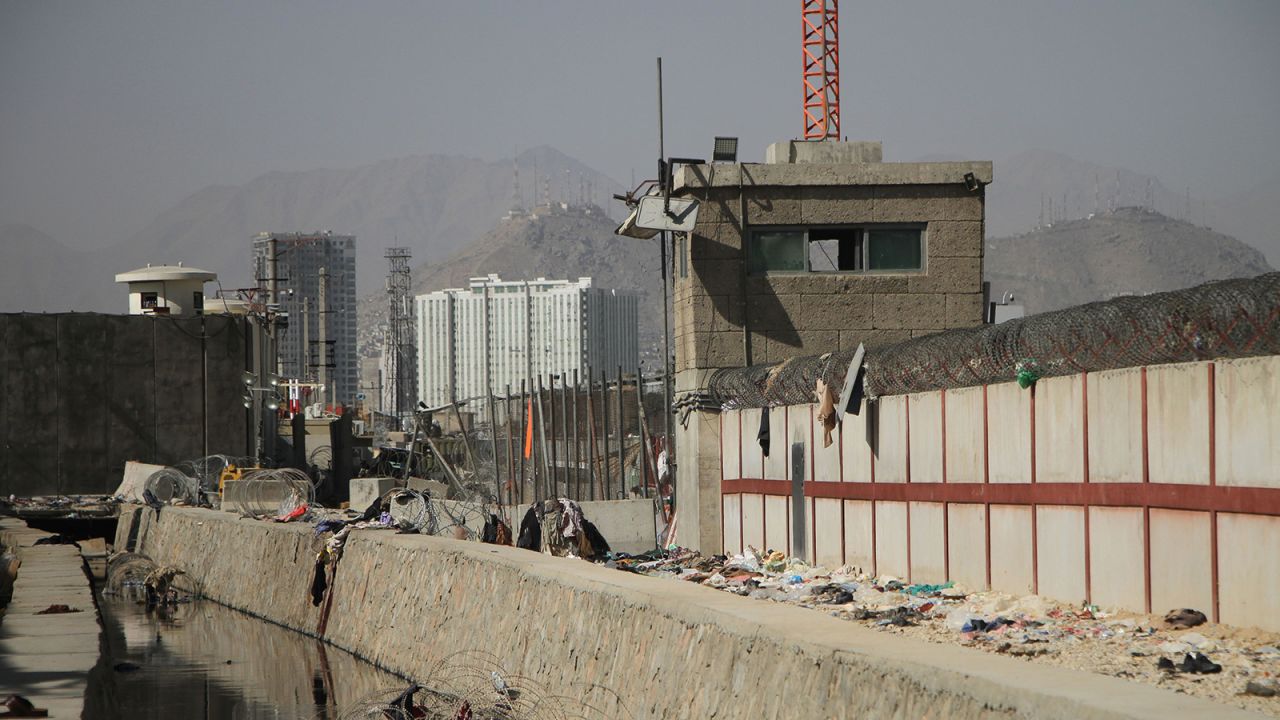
668 649
1147 488
82 393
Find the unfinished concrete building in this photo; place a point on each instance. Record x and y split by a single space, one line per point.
822 247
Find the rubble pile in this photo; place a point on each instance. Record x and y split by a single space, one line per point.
1218 662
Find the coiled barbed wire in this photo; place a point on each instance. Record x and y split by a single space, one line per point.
172 485
128 572
273 491
208 470
474 684
321 457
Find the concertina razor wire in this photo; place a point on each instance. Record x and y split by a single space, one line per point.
1223 319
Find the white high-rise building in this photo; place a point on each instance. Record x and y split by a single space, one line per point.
535 328
299 260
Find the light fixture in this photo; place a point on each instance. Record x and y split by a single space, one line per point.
726 150
274 380
272 404
972 182
248 403
248 378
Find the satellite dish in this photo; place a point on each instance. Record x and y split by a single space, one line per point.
652 215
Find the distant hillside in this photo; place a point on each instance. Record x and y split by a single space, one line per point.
1129 251
38 274
433 204
569 244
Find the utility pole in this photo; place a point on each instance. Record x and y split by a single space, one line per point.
322 312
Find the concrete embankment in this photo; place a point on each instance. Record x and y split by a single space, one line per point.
47 658
669 649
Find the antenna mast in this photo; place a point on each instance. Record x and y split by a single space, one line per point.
820 41
398 342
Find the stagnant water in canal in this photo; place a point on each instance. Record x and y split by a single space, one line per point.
203 660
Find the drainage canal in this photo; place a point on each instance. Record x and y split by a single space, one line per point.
198 659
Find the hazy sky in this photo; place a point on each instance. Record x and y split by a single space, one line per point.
112 111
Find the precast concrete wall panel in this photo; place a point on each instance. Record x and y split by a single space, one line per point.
1247 422
1115 425
1060 549
778 462
1117 560
180 403
828 532
225 415
1012 562
753 520
891 440
1178 423
1059 430
799 429
1009 436
30 386
1181 560
730 452
967 544
859 539
129 362
966 440
732 525
777 523
928 543
855 447
82 404
1249 570
925 445
891 539
6 369
752 457
826 460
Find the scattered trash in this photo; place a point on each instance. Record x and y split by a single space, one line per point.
20 707
58 610
1184 618
1262 687
1028 372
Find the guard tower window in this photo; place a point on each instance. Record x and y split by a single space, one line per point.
150 300
836 250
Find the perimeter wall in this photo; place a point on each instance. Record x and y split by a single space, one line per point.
1148 488
82 393
663 648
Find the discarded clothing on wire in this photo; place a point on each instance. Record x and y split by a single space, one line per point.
762 436
319 581
325 526
530 531
826 411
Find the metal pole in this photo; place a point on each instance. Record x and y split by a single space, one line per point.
564 428
577 449
622 442
591 437
555 465
511 471
542 434
524 429
641 465
604 421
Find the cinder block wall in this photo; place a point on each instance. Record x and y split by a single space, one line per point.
1145 488
794 314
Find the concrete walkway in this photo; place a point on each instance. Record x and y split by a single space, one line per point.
47 658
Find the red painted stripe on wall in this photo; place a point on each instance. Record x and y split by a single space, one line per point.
1171 496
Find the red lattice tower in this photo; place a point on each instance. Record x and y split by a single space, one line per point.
821 41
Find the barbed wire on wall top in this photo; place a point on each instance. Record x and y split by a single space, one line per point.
1217 320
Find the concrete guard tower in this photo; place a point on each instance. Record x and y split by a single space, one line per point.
822 247
166 289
